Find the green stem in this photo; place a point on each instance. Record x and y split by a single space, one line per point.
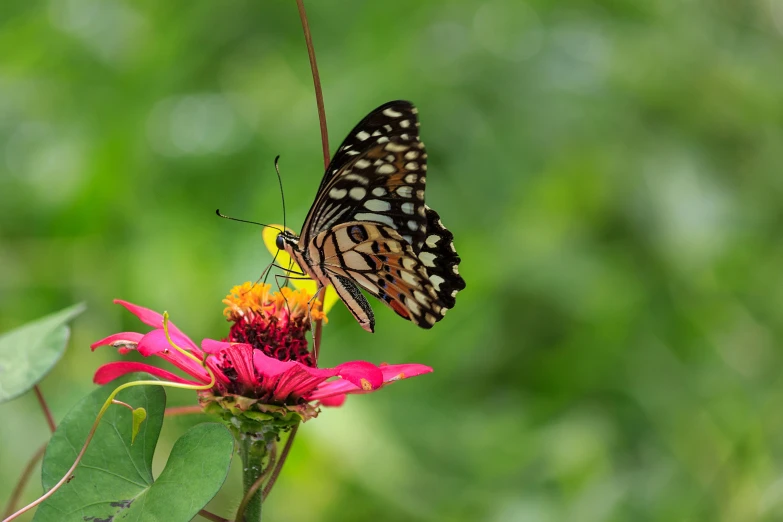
253 453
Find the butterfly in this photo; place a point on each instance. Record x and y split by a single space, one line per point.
369 227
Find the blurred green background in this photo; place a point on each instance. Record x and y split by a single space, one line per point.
611 171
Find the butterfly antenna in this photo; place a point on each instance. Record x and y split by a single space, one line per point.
280 182
246 221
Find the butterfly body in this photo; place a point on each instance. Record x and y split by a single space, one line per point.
369 226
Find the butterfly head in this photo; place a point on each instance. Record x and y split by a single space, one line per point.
286 239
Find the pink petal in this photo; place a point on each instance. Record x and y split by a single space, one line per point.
154 319
155 343
395 372
364 375
130 337
391 373
109 372
286 379
334 401
213 347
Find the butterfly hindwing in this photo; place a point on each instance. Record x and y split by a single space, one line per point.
382 262
440 260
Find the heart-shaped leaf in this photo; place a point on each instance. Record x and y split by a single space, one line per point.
28 353
114 479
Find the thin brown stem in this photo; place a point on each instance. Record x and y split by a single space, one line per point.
319 101
211 516
279 466
182 410
319 95
62 481
16 494
257 484
45 408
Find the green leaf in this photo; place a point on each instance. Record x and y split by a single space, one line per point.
28 353
139 414
114 479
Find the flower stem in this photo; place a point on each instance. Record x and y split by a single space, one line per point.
251 491
211 516
319 102
279 466
319 95
253 452
182 410
45 408
23 478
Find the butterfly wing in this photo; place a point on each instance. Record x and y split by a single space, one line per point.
377 175
377 258
440 260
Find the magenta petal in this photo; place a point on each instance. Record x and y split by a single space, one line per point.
130 337
154 319
334 401
391 373
155 343
365 375
214 347
395 372
109 372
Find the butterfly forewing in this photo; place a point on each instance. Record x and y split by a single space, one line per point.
378 175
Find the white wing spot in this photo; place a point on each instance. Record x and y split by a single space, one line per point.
421 211
376 205
379 191
423 179
420 195
432 240
455 269
337 193
380 218
411 155
408 263
383 139
407 207
405 124
412 165
358 193
388 128
413 225
386 168
356 177
362 163
352 152
405 136
414 110
411 178
413 306
429 318
436 281
362 135
428 258
404 191
409 278
396 147
392 113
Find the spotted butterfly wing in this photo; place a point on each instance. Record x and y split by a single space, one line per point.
369 226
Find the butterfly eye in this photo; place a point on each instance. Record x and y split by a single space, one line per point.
279 242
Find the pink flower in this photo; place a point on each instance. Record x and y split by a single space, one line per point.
263 365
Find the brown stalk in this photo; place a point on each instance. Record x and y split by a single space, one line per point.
16 494
45 408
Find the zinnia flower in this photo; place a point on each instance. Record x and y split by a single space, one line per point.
263 371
